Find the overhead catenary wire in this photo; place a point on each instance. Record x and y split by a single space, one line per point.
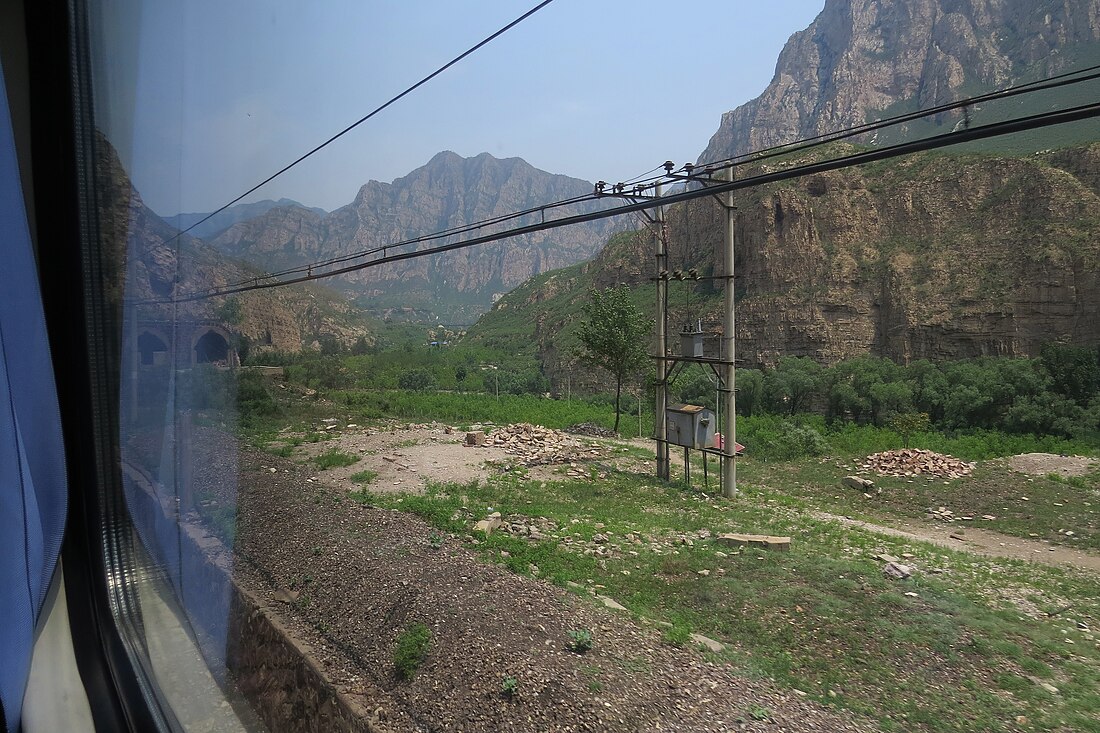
1071 77
392 100
974 133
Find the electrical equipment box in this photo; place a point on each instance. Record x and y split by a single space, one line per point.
691 426
691 341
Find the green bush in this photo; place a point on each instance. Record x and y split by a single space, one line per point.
412 650
580 641
772 438
416 380
254 401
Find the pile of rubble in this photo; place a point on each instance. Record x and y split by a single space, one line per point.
944 514
916 462
592 430
535 445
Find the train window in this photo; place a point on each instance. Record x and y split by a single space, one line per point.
305 487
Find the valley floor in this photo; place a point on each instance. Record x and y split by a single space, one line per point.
993 631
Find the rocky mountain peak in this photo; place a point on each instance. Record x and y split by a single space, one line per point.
862 59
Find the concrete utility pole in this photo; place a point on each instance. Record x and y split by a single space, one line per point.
660 425
729 350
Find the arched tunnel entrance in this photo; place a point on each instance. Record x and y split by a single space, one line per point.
152 349
211 348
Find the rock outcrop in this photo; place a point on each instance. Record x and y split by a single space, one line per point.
863 59
935 256
450 191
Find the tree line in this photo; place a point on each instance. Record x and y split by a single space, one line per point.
1056 393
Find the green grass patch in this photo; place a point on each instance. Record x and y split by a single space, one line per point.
412 650
364 478
334 459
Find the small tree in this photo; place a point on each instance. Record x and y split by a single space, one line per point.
907 423
614 335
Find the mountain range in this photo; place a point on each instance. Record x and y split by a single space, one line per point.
983 250
448 192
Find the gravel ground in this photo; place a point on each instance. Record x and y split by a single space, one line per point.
1041 464
347 579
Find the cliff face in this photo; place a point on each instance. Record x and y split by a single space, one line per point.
449 191
936 256
860 58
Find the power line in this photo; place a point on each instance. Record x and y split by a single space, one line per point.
374 112
996 129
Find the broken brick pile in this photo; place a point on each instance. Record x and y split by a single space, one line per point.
916 462
535 445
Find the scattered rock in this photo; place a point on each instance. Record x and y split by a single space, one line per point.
611 603
475 437
857 483
488 524
592 430
897 571
768 542
711 644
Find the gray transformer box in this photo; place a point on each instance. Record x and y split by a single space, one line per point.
691 426
691 342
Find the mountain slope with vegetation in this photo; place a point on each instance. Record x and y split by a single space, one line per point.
937 256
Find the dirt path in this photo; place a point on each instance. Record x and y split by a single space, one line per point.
978 541
407 457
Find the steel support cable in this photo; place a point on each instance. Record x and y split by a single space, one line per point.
375 111
755 156
981 132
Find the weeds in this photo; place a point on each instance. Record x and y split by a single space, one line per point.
509 687
334 459
676 635
412 650
580 641
365 477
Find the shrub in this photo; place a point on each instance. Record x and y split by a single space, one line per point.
580 641
412 650
777 439
416 380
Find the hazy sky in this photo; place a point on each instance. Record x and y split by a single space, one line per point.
228 91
